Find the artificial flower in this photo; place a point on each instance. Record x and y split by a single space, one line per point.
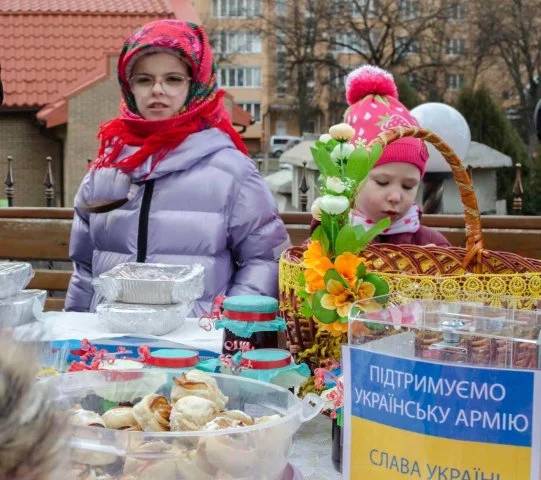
342 151
316 209
334 204
342 132
338 297
325 138
316 263
346 265
334 184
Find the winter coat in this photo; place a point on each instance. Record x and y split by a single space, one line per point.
205 202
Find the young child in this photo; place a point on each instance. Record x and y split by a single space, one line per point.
391 186
173 174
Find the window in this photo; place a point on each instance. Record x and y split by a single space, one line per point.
407 45
239 76
457 11
408 9
236 42
348 42
236 8
455 46
455 81
254 108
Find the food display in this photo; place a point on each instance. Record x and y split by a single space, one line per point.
198 426
470 333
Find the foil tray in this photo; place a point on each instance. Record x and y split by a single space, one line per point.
152 283
21 308
143 319
14 276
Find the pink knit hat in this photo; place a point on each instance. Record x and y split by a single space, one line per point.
374 107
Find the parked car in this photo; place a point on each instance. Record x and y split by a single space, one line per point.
280 143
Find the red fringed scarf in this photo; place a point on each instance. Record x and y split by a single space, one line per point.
204 106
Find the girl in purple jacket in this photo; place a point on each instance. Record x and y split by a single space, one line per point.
391 187
174 176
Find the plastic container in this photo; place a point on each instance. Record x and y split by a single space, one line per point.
21 308
14 276
258 452
250 322
470 333
143 319
152 283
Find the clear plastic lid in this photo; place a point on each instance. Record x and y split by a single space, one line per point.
465 332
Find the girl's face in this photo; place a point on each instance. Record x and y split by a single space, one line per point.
389 191
160 83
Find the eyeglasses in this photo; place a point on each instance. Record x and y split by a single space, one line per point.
171 84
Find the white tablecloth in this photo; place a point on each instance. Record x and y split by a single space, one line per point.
75 325
312 450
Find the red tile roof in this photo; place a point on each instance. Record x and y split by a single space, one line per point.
51 49
44 54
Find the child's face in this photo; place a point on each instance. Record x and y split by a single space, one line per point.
160 83
389 191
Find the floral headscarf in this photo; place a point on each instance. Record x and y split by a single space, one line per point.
203 107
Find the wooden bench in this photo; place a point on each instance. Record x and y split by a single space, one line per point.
41 235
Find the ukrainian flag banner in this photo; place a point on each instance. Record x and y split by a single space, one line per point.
415 419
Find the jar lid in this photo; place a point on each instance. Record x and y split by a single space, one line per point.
265 358
172 358
251 303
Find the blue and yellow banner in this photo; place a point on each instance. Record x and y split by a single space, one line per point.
409 418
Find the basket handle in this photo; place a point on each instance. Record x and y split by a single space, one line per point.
474 237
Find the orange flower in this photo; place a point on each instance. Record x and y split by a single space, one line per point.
334 328
314 280
366 290
346 265
338 298
316 263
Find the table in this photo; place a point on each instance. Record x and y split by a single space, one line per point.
312 450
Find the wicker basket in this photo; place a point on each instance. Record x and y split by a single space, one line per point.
446 273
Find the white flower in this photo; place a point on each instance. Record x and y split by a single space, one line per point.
334 204
325 138
334 184
342 132
316 209
341 151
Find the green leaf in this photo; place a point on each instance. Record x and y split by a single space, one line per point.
320 235
365 237
321 313
375 153
361 271
324 162
346 240
306 310
332 274
381 286
358 165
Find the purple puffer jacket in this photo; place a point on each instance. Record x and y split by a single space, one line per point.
204 203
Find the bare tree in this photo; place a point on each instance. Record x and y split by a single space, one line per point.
512 30
319 42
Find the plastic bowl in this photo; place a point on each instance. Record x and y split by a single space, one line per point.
258 452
